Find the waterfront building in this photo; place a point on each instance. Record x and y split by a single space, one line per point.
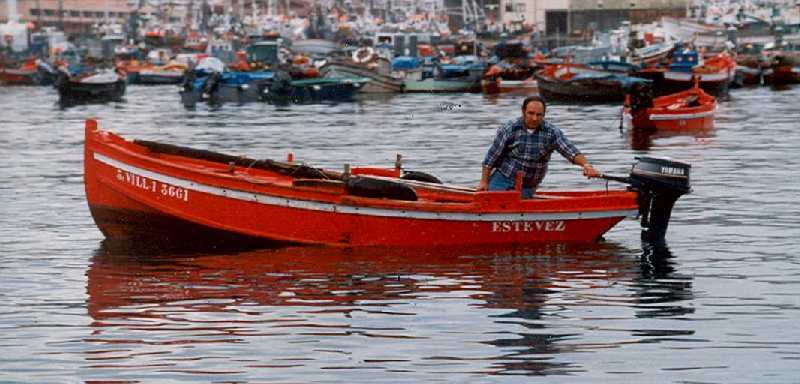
71 16
571 17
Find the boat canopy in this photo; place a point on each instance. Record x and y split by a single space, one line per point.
401 63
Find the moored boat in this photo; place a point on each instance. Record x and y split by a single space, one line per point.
378 82
689 110
31 72
92 85
140 189
509 79
313 90
783 69
716 74
578 82
171 73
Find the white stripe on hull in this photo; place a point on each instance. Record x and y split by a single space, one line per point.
348 209
683 116
687 76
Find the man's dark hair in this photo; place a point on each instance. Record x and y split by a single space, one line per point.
534 98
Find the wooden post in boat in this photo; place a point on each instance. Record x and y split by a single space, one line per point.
289 157
346 172
398 162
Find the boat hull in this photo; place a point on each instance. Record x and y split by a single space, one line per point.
155 78
377 83
517 87
133 194
70 91
441 86
580 91
676 113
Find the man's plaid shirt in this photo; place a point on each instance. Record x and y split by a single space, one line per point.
518 149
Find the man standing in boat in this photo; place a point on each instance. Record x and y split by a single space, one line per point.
525 145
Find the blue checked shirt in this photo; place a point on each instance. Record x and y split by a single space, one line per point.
518 149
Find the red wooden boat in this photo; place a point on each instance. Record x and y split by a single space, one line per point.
31 72
690 110
516 80
147 189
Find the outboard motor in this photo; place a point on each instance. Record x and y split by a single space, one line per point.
211 85
660 182
189 77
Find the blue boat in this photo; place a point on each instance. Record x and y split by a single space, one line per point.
314 90
210 82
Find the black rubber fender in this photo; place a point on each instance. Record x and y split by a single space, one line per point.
420 176
377 188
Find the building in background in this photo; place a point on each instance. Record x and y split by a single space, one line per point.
575 17
72 16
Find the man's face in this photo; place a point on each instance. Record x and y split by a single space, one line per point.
533 115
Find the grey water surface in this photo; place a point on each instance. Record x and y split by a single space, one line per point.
719 304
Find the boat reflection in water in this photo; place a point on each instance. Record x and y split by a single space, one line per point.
302 310
643 139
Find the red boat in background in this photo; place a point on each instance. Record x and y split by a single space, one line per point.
30 72
716 73
146 189
516 80
692 109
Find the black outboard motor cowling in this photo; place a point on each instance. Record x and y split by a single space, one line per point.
660 182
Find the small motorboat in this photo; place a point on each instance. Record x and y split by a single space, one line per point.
89 85
689 110
144 189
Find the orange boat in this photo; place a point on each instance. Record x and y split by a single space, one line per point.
690 110
146 189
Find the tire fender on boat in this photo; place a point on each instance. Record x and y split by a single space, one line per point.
420 176
378 188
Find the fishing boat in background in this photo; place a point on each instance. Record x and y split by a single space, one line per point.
378 72
716 73
513 72
688 110
89 85
284 90
783 68
579 82
211 82
170 73
143 189
462 75
31 72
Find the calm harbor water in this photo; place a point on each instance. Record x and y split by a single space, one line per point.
719 304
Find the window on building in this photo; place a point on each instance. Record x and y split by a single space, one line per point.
74 13
49 12
87 14
509 7
99 14
34 11
519 7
